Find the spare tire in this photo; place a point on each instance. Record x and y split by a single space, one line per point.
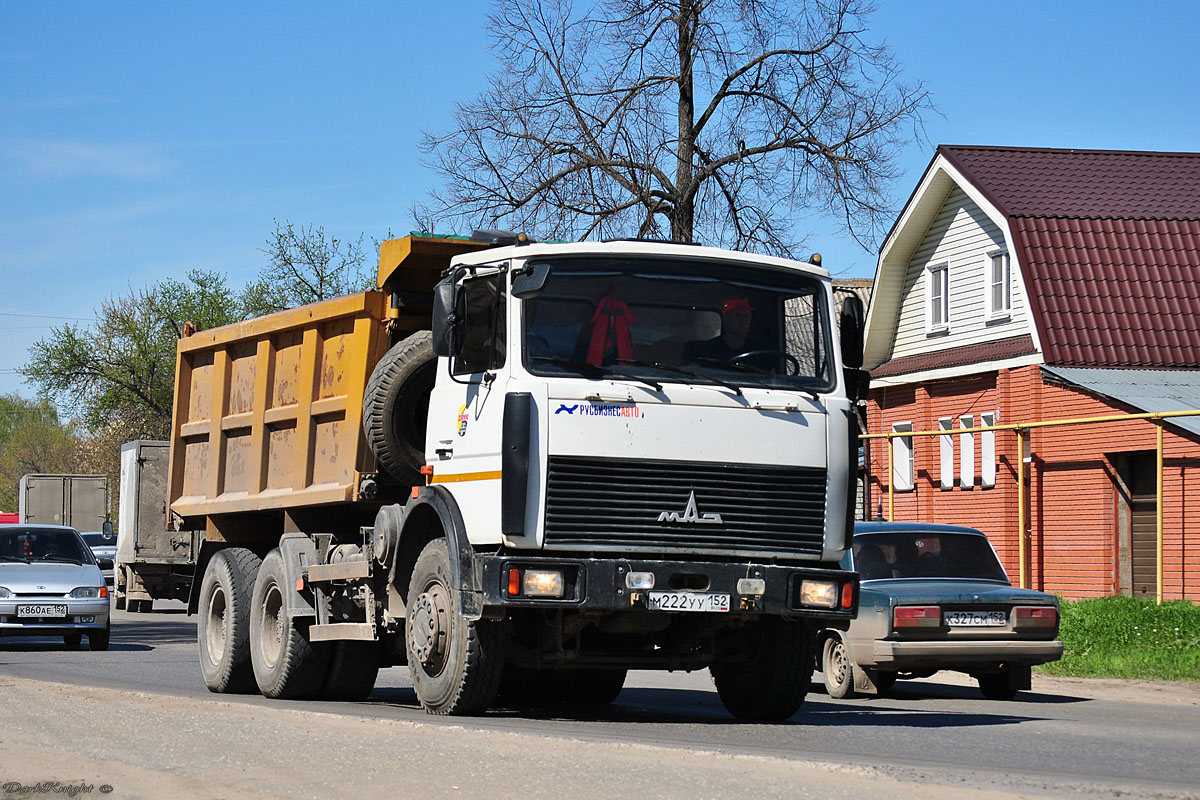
396 406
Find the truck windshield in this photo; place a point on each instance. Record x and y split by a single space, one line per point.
679 321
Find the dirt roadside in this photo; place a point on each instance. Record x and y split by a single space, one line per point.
60 739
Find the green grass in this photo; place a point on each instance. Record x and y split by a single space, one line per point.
1123 637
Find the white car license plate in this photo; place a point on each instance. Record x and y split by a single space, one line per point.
688 601
45 610
975 619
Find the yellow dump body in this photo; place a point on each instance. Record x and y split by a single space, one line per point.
268 412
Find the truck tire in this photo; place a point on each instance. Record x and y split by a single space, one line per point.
396 406
286 664
119 588
772 684
595 687
837 668
353 669
455 664
223 624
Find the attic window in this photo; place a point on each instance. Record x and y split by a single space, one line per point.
999 282
937 298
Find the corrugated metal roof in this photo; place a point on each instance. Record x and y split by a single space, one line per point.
1046 182
1109 244
1148 390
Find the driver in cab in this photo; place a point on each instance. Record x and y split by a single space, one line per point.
736 315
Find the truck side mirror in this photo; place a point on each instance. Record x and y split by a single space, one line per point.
445 323
530 279
851 324
106 530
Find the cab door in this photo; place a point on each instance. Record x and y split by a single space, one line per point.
466 408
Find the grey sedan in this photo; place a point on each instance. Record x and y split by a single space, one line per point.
936 597
50 585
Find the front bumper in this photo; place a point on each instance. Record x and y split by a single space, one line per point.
77 609
599 585
949 655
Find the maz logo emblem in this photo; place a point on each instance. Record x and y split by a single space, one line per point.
691 514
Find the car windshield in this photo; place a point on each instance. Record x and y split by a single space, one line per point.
657 320
43 544
926 555
96 539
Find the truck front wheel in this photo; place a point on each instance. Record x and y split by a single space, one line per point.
772 682
455 664
223 626
286 664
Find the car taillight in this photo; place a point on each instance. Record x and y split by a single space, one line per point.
1035 617
917 617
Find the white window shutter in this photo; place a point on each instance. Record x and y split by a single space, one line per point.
987 451
946 445
966 454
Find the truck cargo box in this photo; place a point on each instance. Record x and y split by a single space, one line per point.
268 412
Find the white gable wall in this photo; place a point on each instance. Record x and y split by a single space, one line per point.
962 236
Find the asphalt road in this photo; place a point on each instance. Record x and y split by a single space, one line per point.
1064 738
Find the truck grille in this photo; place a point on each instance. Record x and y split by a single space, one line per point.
616 504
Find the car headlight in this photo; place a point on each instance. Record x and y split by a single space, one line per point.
5 593
92 592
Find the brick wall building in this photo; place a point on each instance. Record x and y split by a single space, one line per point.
1029 285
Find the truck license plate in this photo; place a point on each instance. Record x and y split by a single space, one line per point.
688 601
975 619
45 610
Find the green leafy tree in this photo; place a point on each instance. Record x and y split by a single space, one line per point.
720 120
306 265
123 368
32 440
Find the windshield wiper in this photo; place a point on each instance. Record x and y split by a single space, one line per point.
18 559
66 559
733 365
733 387
589 370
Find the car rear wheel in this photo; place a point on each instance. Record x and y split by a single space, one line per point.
997 686
837 668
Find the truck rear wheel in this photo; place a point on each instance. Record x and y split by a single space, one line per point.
223 626
353 669
455 664
396 406
286 664
773 683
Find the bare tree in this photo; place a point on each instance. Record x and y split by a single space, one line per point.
305 265
726 120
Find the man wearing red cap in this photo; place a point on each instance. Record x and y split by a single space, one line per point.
736 313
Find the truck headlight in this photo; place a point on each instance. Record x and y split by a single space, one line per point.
543 583
89 592
819 593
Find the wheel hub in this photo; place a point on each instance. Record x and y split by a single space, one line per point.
837 663
428 627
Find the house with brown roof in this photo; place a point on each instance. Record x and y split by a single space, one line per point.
1026 285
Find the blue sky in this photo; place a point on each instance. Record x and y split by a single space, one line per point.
138 140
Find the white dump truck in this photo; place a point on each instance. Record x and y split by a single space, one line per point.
523 469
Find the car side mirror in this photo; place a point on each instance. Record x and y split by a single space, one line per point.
851 324
530 279
445 323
